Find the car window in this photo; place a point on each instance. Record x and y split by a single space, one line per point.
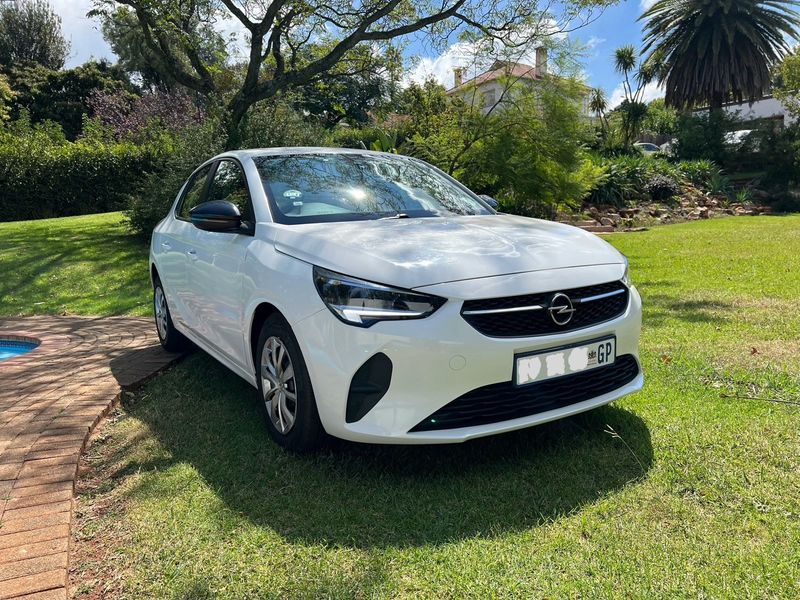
194 193
308 188
229 184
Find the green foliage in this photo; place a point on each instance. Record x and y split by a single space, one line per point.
44 175
662 187
789 82
270 124
6 96
703 136
31 32
62 96
630 179
660 119
714 50
719 184
698 172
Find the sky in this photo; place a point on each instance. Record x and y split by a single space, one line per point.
615 27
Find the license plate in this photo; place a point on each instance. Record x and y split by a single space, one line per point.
566 360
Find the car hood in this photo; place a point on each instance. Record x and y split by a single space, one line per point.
417 252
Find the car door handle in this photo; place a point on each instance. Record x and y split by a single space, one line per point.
166 245
192 254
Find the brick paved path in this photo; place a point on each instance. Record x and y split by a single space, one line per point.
50 399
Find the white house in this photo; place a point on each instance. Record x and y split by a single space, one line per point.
491 88
766 108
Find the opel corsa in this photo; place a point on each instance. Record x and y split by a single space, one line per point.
371 297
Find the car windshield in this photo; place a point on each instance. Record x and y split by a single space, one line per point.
309 188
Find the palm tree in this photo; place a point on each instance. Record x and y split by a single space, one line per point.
710 51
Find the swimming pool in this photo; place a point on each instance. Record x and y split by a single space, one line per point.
14 347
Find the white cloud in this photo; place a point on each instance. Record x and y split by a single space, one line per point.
594 42
651 92
86 40
646 4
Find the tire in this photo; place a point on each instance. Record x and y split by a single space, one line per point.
171 339
284 388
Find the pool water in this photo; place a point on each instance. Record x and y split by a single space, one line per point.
10 348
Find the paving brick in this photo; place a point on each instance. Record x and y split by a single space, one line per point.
50 399
15 540
32 566
19 525
37 510
11 588
55 594
38 499
35 550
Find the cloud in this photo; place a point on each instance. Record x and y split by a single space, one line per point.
594 41
646 4
651 92
83 34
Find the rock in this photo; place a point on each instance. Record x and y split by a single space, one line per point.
607 221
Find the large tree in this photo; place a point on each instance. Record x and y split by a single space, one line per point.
713 51
280 32
31 32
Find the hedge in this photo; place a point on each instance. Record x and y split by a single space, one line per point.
40 180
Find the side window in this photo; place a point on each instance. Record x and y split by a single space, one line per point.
229 184
194 193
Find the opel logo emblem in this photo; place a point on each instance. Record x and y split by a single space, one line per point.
561 309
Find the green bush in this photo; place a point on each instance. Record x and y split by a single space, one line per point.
270 124
698 172
44 175
631 179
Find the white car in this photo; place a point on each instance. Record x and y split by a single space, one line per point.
371 297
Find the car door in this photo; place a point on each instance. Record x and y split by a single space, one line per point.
216 267
173 246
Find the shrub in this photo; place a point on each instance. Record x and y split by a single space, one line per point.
662 187
44 175
270 124
698 172
631 179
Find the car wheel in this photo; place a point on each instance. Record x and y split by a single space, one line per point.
284 386
171 339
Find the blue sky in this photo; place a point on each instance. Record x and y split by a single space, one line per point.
615 27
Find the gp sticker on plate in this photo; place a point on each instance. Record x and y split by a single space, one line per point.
557 362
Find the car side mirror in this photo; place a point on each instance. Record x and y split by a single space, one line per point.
490 201
216 215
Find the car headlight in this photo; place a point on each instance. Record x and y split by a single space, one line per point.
364 303
626 276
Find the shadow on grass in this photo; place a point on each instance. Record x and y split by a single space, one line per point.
84 265
364 495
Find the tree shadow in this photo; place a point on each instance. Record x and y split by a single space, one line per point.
362 496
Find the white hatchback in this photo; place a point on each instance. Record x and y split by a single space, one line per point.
372 297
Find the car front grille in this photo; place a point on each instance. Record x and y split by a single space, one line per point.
503 401
530 315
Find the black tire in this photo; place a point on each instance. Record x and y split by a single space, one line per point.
306 433
171 339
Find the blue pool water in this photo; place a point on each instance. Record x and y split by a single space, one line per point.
9 348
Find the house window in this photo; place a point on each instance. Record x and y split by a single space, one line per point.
488 98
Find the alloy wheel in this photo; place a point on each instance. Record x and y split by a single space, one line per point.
161 312
278 384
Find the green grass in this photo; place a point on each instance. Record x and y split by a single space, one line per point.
690 488
88 265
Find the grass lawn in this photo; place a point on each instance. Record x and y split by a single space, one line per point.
690 488
87 265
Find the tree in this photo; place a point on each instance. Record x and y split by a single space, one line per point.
598 105
660 120
280 31
6 96
786 88
717 50
636 76
31 31
62 96
127 40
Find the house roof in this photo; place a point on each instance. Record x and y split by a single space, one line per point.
496 71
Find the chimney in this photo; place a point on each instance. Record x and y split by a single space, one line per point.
541 61
458 76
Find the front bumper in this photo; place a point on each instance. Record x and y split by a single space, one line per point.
435 360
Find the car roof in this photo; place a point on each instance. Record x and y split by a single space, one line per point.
295 150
